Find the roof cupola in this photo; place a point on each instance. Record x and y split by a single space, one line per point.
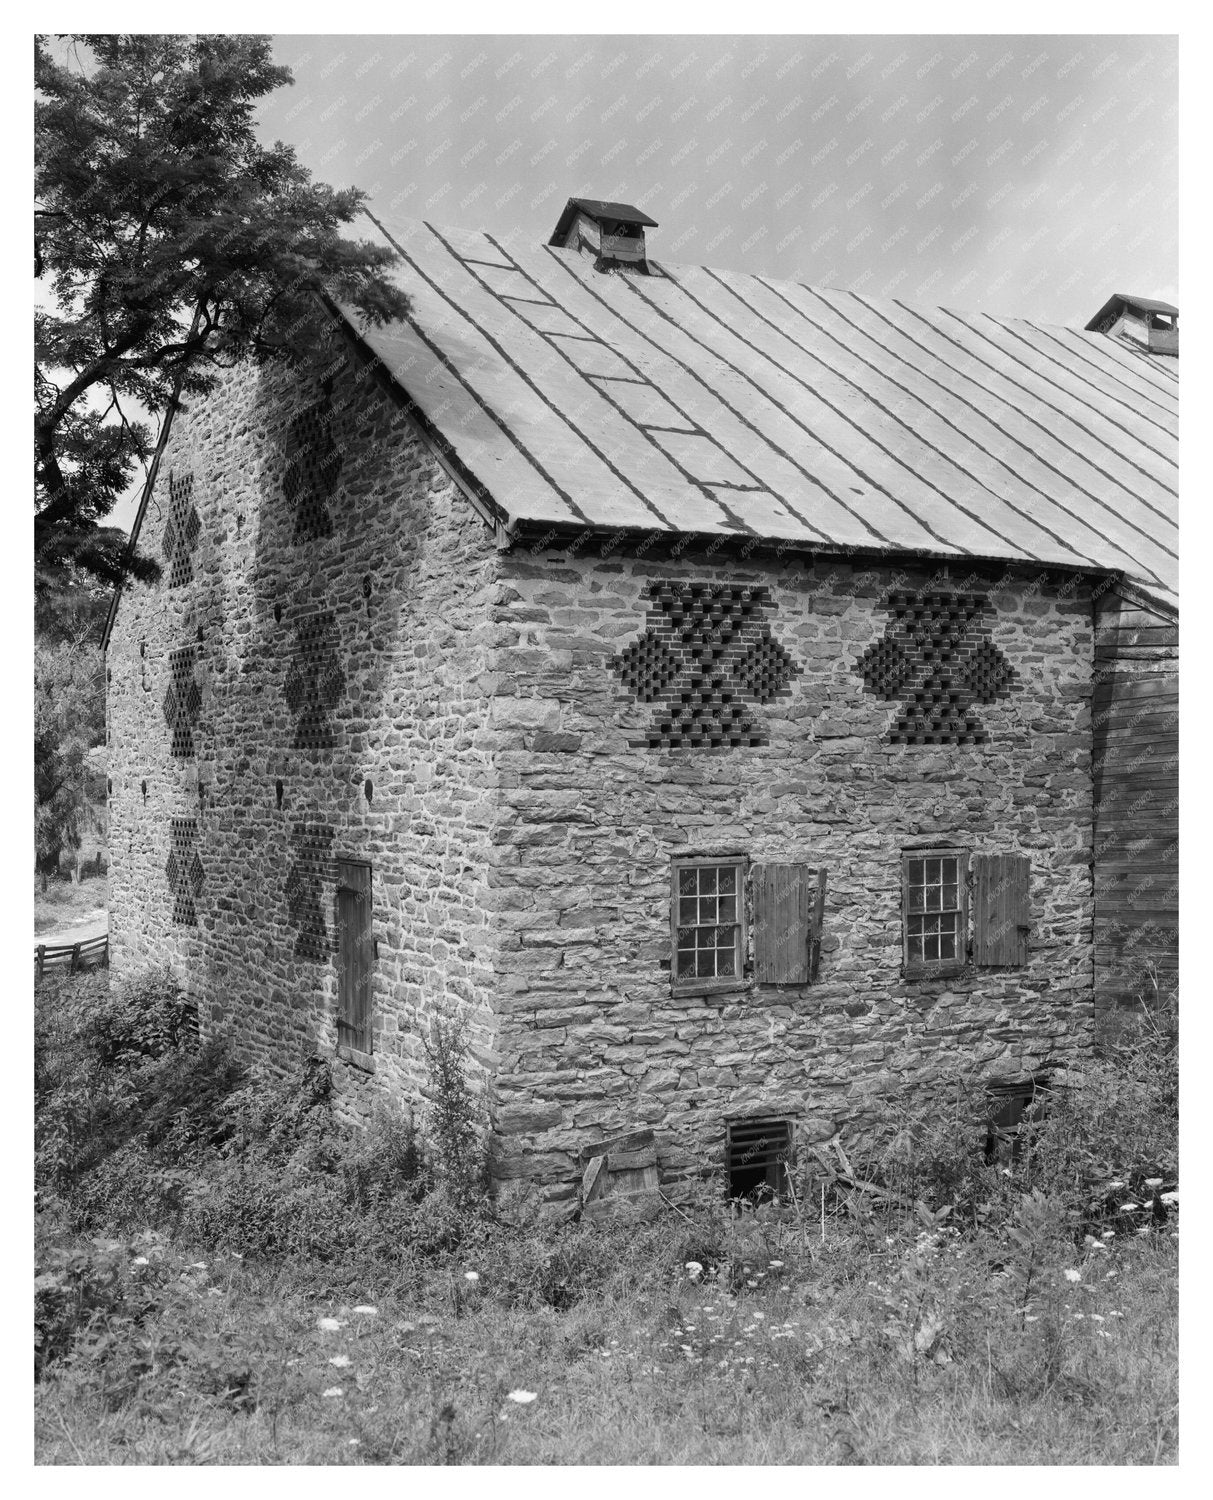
612 232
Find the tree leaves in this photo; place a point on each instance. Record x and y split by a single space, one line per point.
172 243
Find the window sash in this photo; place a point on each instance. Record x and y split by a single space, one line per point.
707 924
934 909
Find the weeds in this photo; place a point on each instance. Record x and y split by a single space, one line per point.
226 1274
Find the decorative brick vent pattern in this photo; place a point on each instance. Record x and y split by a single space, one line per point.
182 701
313 463
312 864
181 530
937 658
315 681
186 876
706 660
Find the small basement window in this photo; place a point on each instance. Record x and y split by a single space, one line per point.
934 910
759 1158
707 924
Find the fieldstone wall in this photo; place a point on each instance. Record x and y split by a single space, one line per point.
339 664
306 684
594 805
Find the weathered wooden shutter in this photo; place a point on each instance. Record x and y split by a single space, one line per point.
1002 909
355 952
788 902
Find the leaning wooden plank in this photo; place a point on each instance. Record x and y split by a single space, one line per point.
590 1178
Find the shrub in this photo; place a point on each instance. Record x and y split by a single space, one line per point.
460 1162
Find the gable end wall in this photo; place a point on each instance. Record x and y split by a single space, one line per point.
383 630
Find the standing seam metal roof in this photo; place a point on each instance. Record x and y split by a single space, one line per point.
718 403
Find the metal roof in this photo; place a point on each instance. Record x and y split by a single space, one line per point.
719 403
597 208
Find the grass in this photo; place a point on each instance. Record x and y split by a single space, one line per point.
646 1369
65 903
225 1275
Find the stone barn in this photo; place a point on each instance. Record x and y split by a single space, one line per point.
687 678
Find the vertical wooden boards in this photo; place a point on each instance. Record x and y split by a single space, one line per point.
784 901
355 951
1002 909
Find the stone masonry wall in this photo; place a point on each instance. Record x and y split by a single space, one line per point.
306 683
591 1040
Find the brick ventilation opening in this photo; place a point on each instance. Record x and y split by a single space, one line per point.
758 1151
181 531
186 876
312 864
182 701
706 659
314 681
313 463
937 658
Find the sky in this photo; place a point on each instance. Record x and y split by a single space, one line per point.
1019 175
1016 175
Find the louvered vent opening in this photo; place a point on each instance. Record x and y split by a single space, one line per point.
758 1152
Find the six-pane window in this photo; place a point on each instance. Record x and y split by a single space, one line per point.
935 909
707 922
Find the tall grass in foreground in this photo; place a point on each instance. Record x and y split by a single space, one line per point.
225 1276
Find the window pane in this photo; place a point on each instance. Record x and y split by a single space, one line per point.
687 911
728 879
728 909
686 882
725 961
707 880
686 964
707 964
932 870
707 910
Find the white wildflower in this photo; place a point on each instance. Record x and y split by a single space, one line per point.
140 1260
367 1310
472 1276
333 1390
694 1270
774 1264
340 1360
1073 1275
1154 1182
523 1398
329 1325
1171 1197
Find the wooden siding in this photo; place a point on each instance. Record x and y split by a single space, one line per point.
1136 783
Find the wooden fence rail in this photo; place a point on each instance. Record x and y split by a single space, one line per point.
94 954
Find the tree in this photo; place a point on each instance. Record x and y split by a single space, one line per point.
69 722
172 243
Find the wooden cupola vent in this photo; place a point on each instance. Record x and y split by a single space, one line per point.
612 232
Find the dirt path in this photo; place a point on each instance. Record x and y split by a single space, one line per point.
95 925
